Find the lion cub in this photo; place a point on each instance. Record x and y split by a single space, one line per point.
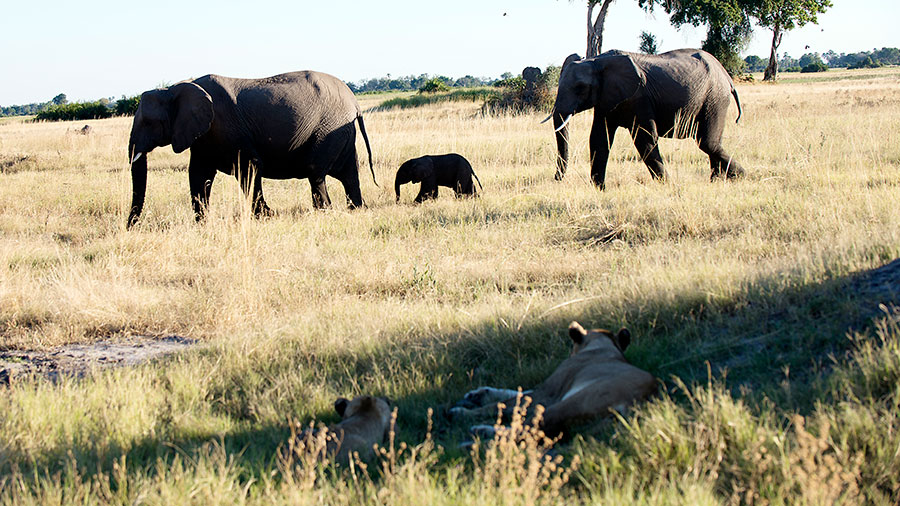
365 421
595 379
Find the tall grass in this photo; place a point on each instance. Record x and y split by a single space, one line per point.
738 294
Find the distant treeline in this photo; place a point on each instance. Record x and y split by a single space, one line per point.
809 61
59 109
413 83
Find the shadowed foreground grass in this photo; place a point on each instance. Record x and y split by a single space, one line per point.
777 385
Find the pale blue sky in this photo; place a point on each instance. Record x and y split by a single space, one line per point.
100 48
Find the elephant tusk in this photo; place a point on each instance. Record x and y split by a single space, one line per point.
136 156
564 123
547 119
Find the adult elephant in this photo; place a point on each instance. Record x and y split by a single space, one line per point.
682 93
295 125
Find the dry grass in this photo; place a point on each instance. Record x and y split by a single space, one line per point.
421 303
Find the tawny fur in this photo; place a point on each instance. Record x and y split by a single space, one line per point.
365 421
594 380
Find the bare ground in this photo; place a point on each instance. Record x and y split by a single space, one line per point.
79 359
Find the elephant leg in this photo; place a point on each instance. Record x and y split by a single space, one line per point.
427 191
200 176
562 146
720 163
349 178
646 140
251 183
464 186
602 136
260 208
320 197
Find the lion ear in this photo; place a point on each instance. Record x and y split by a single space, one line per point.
577 332
623 339
340 405
367 404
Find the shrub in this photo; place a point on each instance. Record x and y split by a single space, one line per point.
814 67
127 106
518 97
866 63
434 85
515 83
76 111
473 94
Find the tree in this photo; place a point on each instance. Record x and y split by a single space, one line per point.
783 16
595 26
648 43
754 63
60 99
727 24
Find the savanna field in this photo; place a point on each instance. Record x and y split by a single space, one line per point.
754 302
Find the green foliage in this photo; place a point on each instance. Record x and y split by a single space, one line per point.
434 85
754 63
127 106
76 111
60 99
885 55
725 43
413 83
515 83
517 97
866 63
421 99
785 15
648 43
814 67
728 27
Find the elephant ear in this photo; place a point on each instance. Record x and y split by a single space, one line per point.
424 169
569 59
621 78
192 114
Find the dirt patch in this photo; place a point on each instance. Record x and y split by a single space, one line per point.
79 359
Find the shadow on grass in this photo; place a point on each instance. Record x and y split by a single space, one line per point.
768 343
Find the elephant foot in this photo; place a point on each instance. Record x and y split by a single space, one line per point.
733 172
559 176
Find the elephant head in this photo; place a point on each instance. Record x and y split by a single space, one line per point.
177 115
602 83
413 171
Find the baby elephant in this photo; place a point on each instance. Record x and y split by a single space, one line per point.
451 170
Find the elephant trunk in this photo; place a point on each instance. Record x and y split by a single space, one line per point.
138 183
561 129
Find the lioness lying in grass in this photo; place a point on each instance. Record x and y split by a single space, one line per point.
595 379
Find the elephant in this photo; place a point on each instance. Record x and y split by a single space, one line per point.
450 170
294 125
682 93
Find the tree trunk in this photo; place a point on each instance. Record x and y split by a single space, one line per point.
595 27
772 67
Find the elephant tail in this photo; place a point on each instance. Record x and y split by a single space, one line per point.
362 129
738 102
476 179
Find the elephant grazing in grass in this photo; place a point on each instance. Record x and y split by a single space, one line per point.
450 170
682 93
295 125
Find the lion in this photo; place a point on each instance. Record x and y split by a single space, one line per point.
365 422
592 382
